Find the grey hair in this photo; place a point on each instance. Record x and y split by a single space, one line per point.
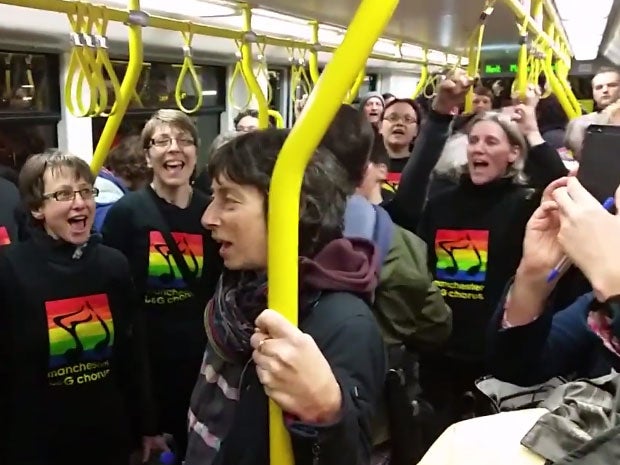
515 170
221 140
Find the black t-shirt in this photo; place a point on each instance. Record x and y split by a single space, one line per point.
475 236
9 210
73 375
173 310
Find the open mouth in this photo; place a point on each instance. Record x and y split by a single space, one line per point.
78 223
398 132
174 166
224 245
480 164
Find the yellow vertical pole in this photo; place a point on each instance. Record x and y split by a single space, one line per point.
130 80
313 63
248 70
283 248
554 82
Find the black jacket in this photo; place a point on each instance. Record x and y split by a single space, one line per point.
337 323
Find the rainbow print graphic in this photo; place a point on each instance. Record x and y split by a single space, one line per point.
461 254
80 330
4 236
163 271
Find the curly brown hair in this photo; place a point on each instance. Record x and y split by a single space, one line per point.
128 161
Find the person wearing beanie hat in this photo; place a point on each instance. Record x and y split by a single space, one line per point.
372 104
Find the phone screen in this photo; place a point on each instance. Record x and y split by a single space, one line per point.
599 167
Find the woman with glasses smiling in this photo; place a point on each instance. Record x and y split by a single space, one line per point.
73 378
174 262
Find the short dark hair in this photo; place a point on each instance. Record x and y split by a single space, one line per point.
243 114
483 92
607 69
408 101
249 160
128 160
31 184
350 138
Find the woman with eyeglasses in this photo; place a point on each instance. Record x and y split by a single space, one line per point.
174 262
73 378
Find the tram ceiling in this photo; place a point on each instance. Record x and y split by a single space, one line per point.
443 25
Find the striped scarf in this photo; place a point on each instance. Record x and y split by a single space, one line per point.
229 323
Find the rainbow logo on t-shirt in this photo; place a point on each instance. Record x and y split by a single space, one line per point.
4 236
80 330
163 272
461 254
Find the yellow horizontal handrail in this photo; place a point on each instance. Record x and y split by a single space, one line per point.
284 192
159 22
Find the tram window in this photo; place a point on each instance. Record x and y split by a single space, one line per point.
18 141
29 83
157 85
276 82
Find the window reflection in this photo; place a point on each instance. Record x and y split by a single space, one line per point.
18 141
157 86
25 83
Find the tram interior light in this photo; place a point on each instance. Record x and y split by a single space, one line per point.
584 26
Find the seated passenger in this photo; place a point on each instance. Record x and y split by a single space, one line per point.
530 343
73 377
328 375
125 170
9 212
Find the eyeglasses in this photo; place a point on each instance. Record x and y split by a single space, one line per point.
395 118
67 195
166 142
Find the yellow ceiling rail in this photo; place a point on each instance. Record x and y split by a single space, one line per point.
571 107
521 15
188 67
247 62
475 49
81 63
355 89
520 84
102 59
299 76
262 71
551 14
419 88
283 248
236 75
170 24
313 64
134 67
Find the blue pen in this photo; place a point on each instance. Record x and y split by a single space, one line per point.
564 263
